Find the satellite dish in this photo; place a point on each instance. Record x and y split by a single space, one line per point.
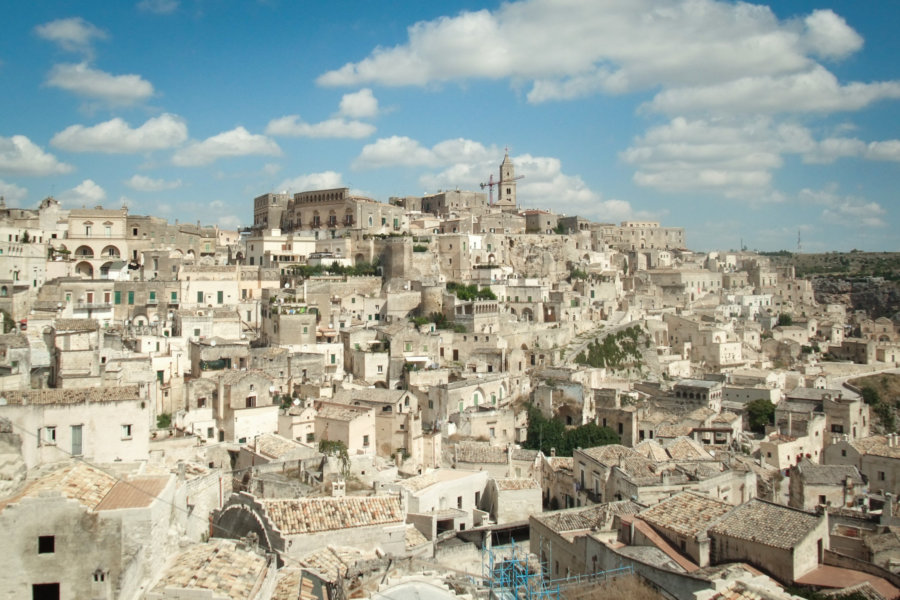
296 402
212 342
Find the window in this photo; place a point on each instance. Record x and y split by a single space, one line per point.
365 441
49 437
880 475
174 296
220 297
87 230
201 402
822 499
131 297
380 368
126 432
333 359
250 401
310 438
118 297
197 332
200 297
210 432
46 544
431 404
108 231
459 502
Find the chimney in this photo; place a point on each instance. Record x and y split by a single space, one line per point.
552 451
181 471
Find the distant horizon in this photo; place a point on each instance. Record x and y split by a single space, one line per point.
728 119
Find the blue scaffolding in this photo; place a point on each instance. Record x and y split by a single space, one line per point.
511 573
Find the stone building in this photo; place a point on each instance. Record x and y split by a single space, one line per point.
785 542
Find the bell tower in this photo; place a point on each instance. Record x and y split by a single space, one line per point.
506 188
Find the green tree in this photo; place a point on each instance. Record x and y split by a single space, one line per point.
761 412
337 449
785 320
163 421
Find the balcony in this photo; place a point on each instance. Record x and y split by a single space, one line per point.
93 306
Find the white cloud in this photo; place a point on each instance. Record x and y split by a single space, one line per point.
359 105
143 183
395 151
229 222
73 34
632 44
86 81
20 156
831 149
117 137
849 211
829 36
733 156
87 193
11 193
292 126
159 7
271 168
312 181
815 90
236 142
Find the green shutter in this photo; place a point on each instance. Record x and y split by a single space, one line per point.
131 297
118 298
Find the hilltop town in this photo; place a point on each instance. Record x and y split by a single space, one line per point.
449 391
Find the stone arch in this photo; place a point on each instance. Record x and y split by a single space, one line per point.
491 258
359 258
190 255
176 253
85 269
140 320
527 314
84 252
111 251
237 520
477 260
104 270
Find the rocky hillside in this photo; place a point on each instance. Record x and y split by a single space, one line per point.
878 297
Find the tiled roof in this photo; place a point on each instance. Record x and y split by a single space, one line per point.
138 492
672 430
218 566
414 537
517 484
876 445
686 514
76 325
814 474
523 454
78 481
766 523
275 446
74 396
609 455
578 519
477 452
684 448
311 515
339 412
652 450
334 561
560 462
882 541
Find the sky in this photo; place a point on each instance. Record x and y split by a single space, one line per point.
744 123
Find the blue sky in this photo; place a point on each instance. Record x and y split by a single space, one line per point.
736 121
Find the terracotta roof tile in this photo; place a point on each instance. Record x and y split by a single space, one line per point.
311 515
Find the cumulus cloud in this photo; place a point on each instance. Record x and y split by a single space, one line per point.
829 36
359 105
815 90
83 80
159 7
117 137
142 183
632 43
20 156
236 142
845 210
733 156
73 34
402 151
12 193
293 126
312 181
86 193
